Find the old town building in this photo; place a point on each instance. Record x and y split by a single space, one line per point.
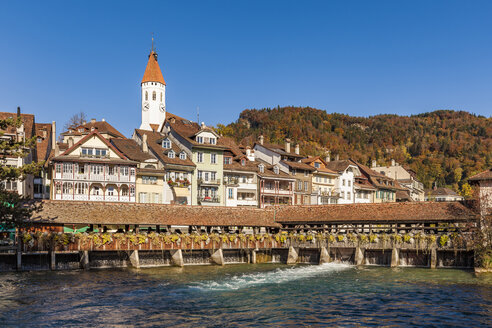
406 177
93 169
323 181
345 183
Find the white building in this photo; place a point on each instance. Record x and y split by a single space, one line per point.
153 88
405 177
345 184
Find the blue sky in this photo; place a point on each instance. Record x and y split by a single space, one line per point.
362 58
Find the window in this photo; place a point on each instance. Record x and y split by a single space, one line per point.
170 154
124 170
343 182
316 165
58 188
227 160
80 188
39 139
299 185
261 167
10 185
348 195
110 191
97 152
67 167
213 158
67 188
199 157
275 170
96 169
81 168
206 176
132 191
124 191
156 199
182 155
95 191
132 172
166 143
306 186
294 172
100 152
348 182
306 173
212 141
199 176
161 96
142 197
154 95
231 193
243 162
212 176
199 139
111 170
343 194
58 168
146 95
149 180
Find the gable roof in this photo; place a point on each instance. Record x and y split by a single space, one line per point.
102 127
339 166
279 149
153 71
87 137
27 120
441 191
154 140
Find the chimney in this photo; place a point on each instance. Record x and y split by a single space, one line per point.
287 145
145 147
18 111
261 138
374 163
337 157
203 125
93 120
327 158
53 135
70 142
297 149
393 162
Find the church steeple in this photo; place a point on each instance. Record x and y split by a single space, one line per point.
153 94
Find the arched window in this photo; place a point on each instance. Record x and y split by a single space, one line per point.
161 96
154 95
146 95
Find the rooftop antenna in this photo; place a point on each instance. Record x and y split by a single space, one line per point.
198 114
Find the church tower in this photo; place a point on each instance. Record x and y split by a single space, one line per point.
153 95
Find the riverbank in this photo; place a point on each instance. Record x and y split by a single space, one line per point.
247 295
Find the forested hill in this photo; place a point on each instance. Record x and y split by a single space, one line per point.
443 146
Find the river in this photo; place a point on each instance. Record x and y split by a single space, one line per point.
247 295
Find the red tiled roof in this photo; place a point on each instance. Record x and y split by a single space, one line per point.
280 149
43 131
27 120
485 175
441 191
102 127
383 212
299 166
84 139
131 149
153 71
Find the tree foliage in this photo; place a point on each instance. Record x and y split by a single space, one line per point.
15 210
75 121
444 146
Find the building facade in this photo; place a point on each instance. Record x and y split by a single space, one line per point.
407 178
324 182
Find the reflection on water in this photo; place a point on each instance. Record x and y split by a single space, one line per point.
247 295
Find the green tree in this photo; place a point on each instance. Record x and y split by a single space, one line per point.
15 210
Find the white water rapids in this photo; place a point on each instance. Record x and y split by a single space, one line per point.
278 276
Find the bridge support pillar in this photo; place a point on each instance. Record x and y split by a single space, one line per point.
359 256
253 257
134 259
433 258
177 258
292 256
324 256
19 258
218 257
52 260
84 260
395 257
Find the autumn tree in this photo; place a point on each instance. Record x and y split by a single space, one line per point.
75 121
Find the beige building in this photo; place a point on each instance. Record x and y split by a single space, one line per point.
323 182
406 177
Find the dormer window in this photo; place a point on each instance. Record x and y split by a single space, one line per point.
199 139
261 167
316 165
275 170
171 154
227 160
182 155
212 141
166 143
81 130
94 152
243 162
40 139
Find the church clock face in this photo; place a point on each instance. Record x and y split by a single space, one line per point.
162 107
146 106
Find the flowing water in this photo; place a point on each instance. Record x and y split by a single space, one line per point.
247 295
